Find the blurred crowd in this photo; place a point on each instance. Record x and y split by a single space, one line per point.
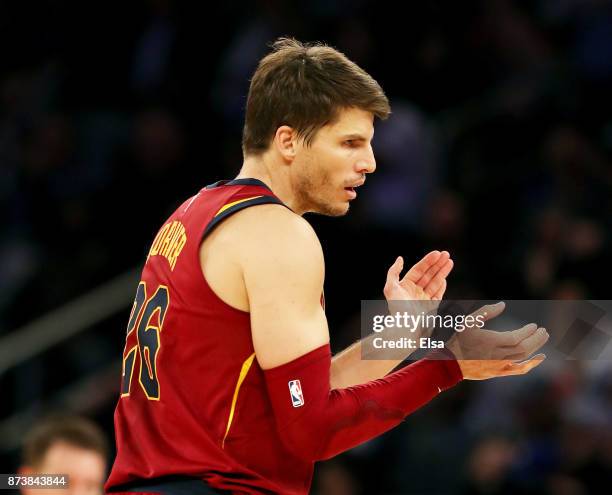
499 150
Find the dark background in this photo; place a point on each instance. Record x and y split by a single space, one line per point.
498 150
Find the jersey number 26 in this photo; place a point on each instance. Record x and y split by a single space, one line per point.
143 340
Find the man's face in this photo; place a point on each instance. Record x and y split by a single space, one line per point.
326 173
86 470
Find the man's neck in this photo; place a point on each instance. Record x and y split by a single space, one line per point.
272 175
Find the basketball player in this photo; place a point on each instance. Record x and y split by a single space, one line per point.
228 384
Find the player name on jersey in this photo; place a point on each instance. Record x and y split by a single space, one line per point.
169 242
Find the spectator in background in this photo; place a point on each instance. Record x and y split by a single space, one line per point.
67 445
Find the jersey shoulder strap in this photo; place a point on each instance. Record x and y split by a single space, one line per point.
250 192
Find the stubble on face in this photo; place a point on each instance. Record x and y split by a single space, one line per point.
315 190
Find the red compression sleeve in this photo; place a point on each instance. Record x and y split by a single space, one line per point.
317 423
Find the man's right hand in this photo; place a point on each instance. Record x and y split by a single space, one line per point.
484 354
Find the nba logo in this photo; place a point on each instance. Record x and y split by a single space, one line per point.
295 390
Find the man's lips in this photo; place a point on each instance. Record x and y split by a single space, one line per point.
351 189
355 185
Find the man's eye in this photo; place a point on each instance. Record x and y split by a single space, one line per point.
350 142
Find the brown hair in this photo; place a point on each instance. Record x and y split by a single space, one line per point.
304 86
73 430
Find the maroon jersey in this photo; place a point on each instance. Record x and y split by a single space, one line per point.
193 397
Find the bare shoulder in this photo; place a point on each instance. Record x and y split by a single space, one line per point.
275 228
261 246
276 245
267 226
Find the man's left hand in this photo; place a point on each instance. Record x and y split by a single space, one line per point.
425 281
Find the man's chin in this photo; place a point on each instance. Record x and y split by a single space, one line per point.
337 210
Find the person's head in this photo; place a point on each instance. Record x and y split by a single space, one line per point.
313 109
68 445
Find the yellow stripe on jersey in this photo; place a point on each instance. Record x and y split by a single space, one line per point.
229 205
246 366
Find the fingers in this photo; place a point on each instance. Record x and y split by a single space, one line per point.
521 368
515 337
528 345
395 270
440 292
483 369
490 311
431 271
418 270
438 280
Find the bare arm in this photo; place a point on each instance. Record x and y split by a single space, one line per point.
283 270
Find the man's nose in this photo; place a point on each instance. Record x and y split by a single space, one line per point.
367 164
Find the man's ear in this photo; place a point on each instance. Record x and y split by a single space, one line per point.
285 142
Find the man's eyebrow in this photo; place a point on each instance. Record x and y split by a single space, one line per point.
354 136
